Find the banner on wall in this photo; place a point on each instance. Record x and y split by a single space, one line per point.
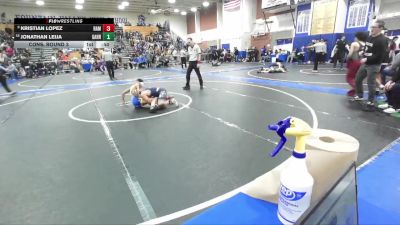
232 5
358 13
116 19
324 17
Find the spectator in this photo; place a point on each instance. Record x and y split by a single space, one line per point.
340 48
208 52
183 55
12 71
291 56
311 51
3 79
256 54
392 48
353 61
301 56
3 56
135 62
263 54
149 58
228 56
175 54
371 63
236 53
392 87
391 69
3 17
9 52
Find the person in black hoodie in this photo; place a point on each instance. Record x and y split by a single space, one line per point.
373 55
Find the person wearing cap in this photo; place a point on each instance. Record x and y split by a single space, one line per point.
194 53
372 57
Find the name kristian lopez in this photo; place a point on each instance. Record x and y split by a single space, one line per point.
41 28
41 37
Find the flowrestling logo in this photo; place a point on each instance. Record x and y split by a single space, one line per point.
291 195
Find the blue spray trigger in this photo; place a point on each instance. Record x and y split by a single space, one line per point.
273 127
280 129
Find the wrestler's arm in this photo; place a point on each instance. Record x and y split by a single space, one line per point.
146 99
124 93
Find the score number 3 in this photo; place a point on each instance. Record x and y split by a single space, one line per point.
108 27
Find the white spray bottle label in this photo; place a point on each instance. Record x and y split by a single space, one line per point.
292 204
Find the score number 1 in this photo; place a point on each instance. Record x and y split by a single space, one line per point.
108 32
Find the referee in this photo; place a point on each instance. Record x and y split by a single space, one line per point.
108 58
320 51
194 53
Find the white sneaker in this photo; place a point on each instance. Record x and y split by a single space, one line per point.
174 102
369 103
390 110
383 106
315 71
356 98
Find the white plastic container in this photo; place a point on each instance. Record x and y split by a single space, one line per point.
296 182
295 191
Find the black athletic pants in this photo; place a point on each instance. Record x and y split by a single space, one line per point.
393 96
183 62
110 69
193 66
318 57
3 81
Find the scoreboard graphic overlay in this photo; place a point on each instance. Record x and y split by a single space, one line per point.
64 33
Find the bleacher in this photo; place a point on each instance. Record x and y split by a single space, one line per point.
144 30
5 26
42 54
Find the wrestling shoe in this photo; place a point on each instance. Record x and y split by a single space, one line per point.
186 88
154 108
174 102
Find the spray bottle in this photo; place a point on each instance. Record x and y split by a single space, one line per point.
296 182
